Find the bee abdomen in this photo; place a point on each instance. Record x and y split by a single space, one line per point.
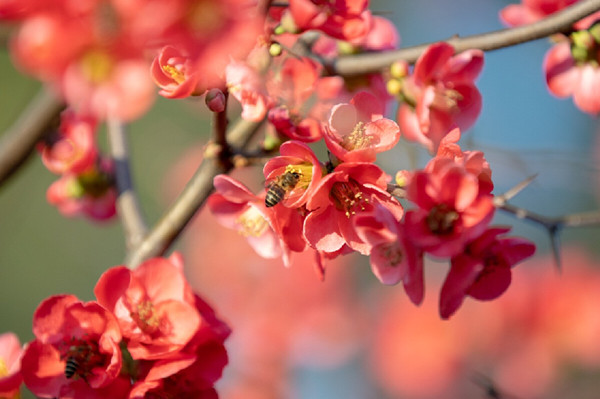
274 196
71 367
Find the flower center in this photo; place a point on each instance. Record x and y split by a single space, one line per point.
145 317
252 223
441 219
392 252
357 139
174 72
347 197
3 368
446 99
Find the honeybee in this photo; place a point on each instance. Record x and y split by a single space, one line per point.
277 188
71 367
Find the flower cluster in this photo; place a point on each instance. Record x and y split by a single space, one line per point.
146 335
95 53
86 186
345 206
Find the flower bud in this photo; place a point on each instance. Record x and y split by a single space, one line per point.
215 100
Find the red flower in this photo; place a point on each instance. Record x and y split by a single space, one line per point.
352 188
393 257
73 148
483 271
342 19
531 11
10 366
248 87
174 73
154 306
566 76
297 85
453 207
296 157
194 370
356 132
76 351
440 94
90 194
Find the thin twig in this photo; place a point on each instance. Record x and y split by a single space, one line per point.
30 127
128 205
559 22
195 193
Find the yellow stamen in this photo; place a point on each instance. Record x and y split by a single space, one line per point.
174 73
252 223
347 197
357 139
3 368
146 317
305 172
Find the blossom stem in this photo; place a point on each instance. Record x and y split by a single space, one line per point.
559 22
128 206
32 125
195 193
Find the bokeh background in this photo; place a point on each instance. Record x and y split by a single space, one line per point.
350 337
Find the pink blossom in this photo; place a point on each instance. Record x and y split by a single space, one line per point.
296 87
358 130
295 157
248 87
73 148
453 209
90 193
10 366
351 189
68 330
271 232
344 19
393 257
483 270
531 11
566 77
153 305
175 74
440 94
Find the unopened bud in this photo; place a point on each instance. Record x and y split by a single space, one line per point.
394 87
275 49
403 178
399 69
215 100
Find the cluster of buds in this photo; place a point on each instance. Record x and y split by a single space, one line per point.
146 335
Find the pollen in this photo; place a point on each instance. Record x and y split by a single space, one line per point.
348 198
305 170
446 99
3 368
145 316
174 73
358 139
252 223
